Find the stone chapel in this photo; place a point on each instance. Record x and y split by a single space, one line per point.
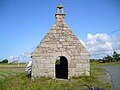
60 54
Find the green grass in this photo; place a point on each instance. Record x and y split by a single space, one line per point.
12 65
110 64
14 78
106 64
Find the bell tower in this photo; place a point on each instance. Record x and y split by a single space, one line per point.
60 14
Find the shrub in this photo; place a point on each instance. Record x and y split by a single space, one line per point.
5 61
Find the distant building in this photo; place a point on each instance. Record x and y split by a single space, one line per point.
60 54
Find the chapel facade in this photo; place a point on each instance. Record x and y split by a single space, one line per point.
60 54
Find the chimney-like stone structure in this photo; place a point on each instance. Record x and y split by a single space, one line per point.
60 54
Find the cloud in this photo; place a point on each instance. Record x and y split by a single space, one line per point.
116 42
10 58
23 57
100 45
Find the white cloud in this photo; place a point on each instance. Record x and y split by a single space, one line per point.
23 57
116 42
13 58
100 45
10 58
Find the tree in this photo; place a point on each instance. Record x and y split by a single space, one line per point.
5 61
108 59
116 56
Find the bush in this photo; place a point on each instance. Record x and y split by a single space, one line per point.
5 61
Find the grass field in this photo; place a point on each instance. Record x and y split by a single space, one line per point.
13 77
106 64
110 64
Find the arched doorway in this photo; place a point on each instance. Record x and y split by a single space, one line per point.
61 67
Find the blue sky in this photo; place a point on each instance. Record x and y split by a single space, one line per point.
23 23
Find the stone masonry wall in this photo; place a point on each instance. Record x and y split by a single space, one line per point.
60 41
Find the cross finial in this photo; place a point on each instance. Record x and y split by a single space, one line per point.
60 5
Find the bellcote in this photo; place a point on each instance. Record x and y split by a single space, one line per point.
60 9
60 14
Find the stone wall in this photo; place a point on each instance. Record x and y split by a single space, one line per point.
60 41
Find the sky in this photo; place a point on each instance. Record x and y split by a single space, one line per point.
24 23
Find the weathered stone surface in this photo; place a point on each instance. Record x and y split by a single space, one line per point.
72 65
60 41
